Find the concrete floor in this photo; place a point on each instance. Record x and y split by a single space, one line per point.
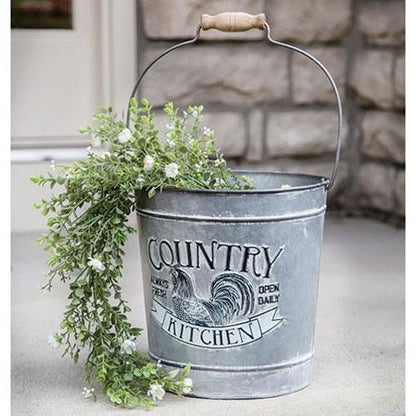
359 361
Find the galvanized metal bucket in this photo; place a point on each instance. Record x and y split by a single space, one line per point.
231 278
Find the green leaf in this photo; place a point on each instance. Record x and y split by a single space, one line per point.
128 377
186 371
115 399
173 373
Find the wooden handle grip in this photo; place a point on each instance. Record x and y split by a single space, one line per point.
233 22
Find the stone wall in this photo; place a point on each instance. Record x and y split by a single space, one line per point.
274 109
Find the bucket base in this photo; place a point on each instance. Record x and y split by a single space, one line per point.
210 384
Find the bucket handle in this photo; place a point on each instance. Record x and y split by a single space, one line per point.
240 22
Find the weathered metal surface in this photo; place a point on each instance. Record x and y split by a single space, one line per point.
231 280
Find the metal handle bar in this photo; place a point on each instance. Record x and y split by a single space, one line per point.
285 45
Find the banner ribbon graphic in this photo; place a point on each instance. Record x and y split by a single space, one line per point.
241 333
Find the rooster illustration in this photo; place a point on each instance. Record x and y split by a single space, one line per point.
231 296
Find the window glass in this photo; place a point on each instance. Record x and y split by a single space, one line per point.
41 14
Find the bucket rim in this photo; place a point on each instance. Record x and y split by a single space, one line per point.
321 181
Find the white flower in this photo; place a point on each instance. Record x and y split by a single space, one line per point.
156 392
148 162
52 166
217 162
53 342
87 393
129 345
140 179
197 166
96 142
159 364
206 131
124 136
90 152
171 170
105 154
96 264
188 385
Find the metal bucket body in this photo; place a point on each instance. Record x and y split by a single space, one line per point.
231 280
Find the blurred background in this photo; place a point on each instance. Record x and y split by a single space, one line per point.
272 109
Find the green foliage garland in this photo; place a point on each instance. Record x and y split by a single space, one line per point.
88 227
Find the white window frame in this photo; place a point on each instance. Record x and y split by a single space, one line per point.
117 33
